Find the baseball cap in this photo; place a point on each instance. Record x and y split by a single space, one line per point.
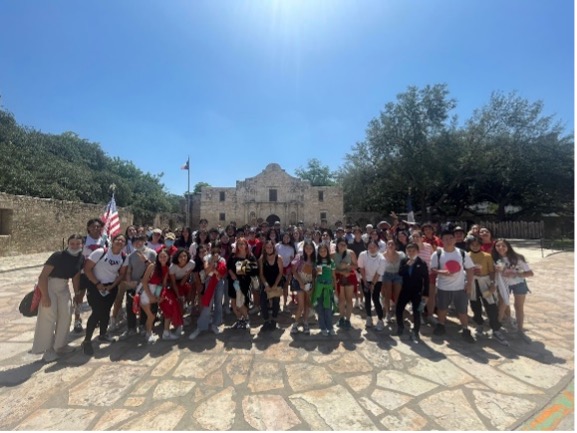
170 235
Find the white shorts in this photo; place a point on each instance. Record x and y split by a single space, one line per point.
154 288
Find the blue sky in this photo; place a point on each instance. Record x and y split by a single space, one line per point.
239 84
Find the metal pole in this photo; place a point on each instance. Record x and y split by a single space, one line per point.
188 211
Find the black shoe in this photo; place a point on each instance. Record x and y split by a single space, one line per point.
272 325
237 324
341 323
266 326
466 334
439 329
87 348
415 338
400 330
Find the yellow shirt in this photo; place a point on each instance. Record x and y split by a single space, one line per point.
484 260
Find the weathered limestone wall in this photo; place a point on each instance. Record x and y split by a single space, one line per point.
31 224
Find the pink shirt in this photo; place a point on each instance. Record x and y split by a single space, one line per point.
425 253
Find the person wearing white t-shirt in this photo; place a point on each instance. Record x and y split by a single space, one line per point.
451 266
372 266
512 269
93 241
105 269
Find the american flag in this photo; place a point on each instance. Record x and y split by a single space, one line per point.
111 219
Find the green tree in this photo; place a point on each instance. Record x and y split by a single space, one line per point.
410 144
198 187
67 167
521 156
316 173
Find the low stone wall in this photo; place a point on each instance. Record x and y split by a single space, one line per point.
33 225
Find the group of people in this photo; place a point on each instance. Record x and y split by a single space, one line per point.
147 274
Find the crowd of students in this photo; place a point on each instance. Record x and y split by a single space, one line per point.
146 274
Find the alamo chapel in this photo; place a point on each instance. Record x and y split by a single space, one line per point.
272 195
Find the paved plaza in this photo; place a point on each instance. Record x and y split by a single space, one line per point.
239 380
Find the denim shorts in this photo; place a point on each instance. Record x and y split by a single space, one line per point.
391 277
519 289
295 285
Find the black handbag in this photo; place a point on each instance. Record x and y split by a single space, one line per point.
29 305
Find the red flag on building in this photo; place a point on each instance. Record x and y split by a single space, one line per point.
111 219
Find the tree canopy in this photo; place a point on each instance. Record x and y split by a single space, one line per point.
67 167
316 173
507 153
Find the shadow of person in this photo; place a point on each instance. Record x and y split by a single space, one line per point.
266 338
18 375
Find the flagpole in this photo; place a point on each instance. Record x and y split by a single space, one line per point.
188 222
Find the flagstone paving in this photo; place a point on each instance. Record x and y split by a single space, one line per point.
240 380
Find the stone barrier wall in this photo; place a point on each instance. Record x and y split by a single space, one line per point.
33 225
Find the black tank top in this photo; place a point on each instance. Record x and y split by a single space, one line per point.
270 272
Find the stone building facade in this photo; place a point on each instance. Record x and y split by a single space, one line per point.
272 195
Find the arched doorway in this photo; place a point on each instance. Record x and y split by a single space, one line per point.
271 219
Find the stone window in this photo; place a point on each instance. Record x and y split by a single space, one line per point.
6 222
272 195
222 216
321 196
323 215
222 196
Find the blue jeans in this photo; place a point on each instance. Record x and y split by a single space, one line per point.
325 317
204 318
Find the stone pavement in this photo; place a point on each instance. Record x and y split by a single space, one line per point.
240 380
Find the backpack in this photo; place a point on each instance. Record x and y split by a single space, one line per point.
122 253
440 250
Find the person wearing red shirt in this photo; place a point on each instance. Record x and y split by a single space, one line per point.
430 237
486 239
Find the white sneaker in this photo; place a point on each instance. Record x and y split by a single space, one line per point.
332 332
50 356
324 332
380 326
166 335
215 329
194 334
295 329
65 349
369 322
150 338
